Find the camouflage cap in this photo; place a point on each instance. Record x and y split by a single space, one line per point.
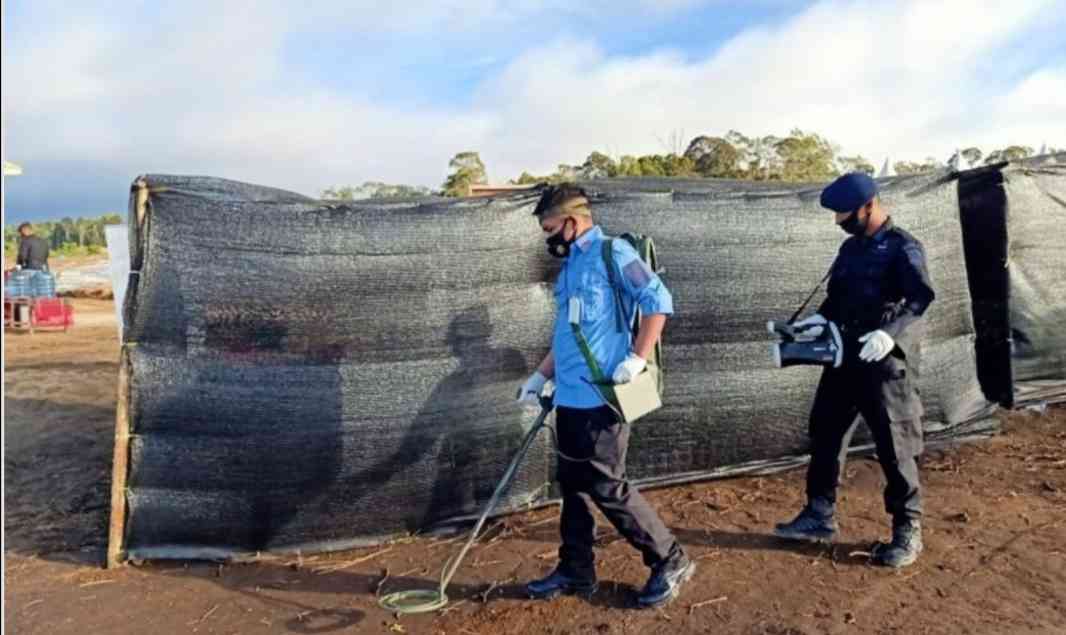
565 199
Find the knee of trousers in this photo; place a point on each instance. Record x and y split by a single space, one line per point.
907 439
607 491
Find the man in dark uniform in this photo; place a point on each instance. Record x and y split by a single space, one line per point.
33 251
593 471
878 291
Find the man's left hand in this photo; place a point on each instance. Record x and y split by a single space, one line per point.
627 371
878 345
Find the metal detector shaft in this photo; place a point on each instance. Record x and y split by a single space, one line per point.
546 407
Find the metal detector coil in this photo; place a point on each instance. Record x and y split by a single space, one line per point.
813 346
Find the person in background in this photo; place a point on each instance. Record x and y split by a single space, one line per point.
33 250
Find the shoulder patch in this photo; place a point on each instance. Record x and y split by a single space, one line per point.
915 254
637 273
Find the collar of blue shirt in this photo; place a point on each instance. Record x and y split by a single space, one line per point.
584 241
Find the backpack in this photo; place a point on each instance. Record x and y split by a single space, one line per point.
645 249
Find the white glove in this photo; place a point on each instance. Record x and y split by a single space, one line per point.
630 367
530 391
813 325
878 345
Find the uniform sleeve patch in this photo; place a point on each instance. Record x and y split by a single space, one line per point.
915 255
637 273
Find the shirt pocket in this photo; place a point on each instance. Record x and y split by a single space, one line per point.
878 262
559 292
596 297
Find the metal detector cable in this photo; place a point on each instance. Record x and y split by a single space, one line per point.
421 601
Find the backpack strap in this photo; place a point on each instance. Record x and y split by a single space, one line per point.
583 345
612 277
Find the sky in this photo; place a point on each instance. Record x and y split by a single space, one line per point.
310 95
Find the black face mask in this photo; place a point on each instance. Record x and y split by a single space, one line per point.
559 246
853 225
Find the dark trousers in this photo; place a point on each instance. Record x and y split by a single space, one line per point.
595 434
887 400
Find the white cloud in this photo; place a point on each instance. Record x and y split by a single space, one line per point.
206 91
878 79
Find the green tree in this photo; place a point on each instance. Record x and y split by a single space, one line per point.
904 168
529 179
758 156
68 235
346 193
628 166
972 155
714 157
598 166
1010 153
467 169
564 172
857 163
803 156
677 166
68 232
373 190
649 165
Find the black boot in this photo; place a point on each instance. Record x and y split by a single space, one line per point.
814 524
905 546
558 582
666 581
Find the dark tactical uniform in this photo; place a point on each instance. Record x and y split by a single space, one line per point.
33 253
877 282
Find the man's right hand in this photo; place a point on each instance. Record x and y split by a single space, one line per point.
530 391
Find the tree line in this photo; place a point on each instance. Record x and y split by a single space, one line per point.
68 235
800 156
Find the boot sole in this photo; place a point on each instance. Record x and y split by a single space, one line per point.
899 565
551 595
878 557
823 539
685 576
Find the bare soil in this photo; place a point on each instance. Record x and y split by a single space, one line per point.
995 530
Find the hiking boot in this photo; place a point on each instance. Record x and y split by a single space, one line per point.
814 524
557 583
905 546
665 582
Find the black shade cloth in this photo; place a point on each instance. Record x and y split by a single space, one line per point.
311 376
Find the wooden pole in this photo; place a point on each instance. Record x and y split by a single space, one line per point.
120 465
141 200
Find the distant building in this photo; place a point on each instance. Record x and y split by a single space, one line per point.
495 190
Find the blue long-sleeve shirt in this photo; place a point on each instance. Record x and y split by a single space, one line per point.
584 276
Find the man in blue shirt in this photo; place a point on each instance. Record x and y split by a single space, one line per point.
879 290
592 441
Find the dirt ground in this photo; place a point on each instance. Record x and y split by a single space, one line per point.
995 559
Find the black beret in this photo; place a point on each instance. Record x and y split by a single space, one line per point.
849 192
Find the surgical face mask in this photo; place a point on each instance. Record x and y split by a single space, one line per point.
853 225
558 245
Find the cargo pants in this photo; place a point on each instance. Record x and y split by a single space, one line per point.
595 436
884 393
